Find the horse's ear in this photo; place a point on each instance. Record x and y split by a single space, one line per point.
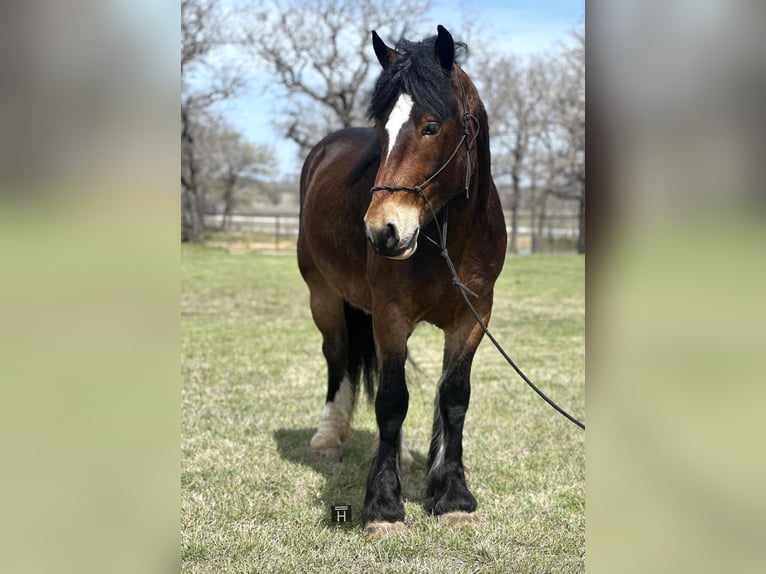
444 49
385 54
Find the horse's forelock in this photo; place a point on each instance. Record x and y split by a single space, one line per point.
417 73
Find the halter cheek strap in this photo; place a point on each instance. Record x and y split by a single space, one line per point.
469 144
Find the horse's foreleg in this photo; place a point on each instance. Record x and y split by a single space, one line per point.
447 494
383 511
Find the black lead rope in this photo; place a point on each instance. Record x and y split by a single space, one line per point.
442 244
465 291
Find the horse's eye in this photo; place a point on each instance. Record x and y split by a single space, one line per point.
431 129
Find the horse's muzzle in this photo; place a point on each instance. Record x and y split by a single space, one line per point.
387 241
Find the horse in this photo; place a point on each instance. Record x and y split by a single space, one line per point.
376 204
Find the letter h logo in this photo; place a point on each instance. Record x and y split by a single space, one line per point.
341 514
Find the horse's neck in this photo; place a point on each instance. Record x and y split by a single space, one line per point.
465 212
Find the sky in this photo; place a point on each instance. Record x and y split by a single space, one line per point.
516 27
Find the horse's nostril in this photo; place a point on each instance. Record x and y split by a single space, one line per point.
391 235
384 238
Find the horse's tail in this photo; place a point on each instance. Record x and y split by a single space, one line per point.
362 357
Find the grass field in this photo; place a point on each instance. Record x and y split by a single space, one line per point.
253 387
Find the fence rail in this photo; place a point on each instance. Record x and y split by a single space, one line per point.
558 232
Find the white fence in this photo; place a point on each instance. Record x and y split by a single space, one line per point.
283 223
556 234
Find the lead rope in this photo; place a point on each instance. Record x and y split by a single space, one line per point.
465 291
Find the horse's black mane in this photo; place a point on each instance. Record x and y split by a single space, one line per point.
417 73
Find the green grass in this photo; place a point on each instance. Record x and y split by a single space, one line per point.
254 385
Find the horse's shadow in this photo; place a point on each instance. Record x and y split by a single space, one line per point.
345 479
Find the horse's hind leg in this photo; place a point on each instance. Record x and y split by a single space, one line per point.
335 420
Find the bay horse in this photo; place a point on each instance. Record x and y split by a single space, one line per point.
372 202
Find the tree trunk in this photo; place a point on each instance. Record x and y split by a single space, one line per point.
512 247
532 220
192 202
230 182
515 200
193 224
518 158
581 234
542 215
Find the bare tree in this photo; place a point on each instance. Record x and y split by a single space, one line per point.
514 90
544 163
537 116
544 146
231 164
320 56
192 209
204 82
569 108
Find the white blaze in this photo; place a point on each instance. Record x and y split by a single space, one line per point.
396 120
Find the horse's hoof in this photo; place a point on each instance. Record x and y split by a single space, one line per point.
381 529
327 453
459 519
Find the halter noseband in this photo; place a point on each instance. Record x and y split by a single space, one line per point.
469 143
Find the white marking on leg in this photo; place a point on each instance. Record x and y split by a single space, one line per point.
344 401
396 120
439 458
335 421
438 438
